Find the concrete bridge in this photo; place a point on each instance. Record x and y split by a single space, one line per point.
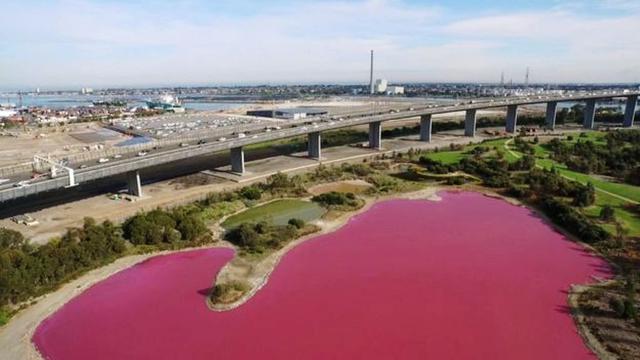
313 130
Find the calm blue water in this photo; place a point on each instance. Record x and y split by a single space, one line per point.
66 101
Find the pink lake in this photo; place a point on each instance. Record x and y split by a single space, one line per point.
469 277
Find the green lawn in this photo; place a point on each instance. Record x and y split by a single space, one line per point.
452 157
629 219
277 212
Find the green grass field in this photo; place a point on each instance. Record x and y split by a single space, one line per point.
277 212
610 193
454 156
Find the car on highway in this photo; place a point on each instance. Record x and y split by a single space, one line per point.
117 156
142 153
83 166
222 139
102 160
184 144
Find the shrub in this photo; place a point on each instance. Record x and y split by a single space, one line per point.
584 196
336 199
617 306
229 292
607 213
573 221
251 193
455 180
298 223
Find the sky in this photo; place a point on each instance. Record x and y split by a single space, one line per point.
54 44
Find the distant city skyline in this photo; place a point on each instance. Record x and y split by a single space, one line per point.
66 44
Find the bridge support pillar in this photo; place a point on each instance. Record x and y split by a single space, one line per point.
314 145
470 123
552 106
375 135
630 111
237 160
134 184
512 118
589 114
425 128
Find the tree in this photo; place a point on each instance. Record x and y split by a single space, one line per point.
585 196
11 239
607 213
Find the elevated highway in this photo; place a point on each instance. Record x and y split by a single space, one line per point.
313 128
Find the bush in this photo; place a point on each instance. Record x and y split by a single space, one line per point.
617 306
257 238
518 191
298 223
607 213
229 292
251 193
573 221
435 166
336 199
584 196
455 180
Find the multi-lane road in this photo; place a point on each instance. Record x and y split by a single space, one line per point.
20 185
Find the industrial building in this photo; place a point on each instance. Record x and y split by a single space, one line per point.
395 90
380 86
289 114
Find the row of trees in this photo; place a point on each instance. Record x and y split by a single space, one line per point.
159 226
27 271
619 157
545 188
262 236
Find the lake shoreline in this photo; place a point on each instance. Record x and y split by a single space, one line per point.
16 336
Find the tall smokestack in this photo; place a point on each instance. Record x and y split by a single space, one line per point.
371 75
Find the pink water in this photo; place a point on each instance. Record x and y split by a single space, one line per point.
469 277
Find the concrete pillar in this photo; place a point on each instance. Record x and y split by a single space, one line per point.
470 123
630 111
375 135
552 107
134 184
425 128
589 114
237 160
314 145
512 118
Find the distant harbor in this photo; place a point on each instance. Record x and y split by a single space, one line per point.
71 101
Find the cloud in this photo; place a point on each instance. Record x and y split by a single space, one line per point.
111 43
